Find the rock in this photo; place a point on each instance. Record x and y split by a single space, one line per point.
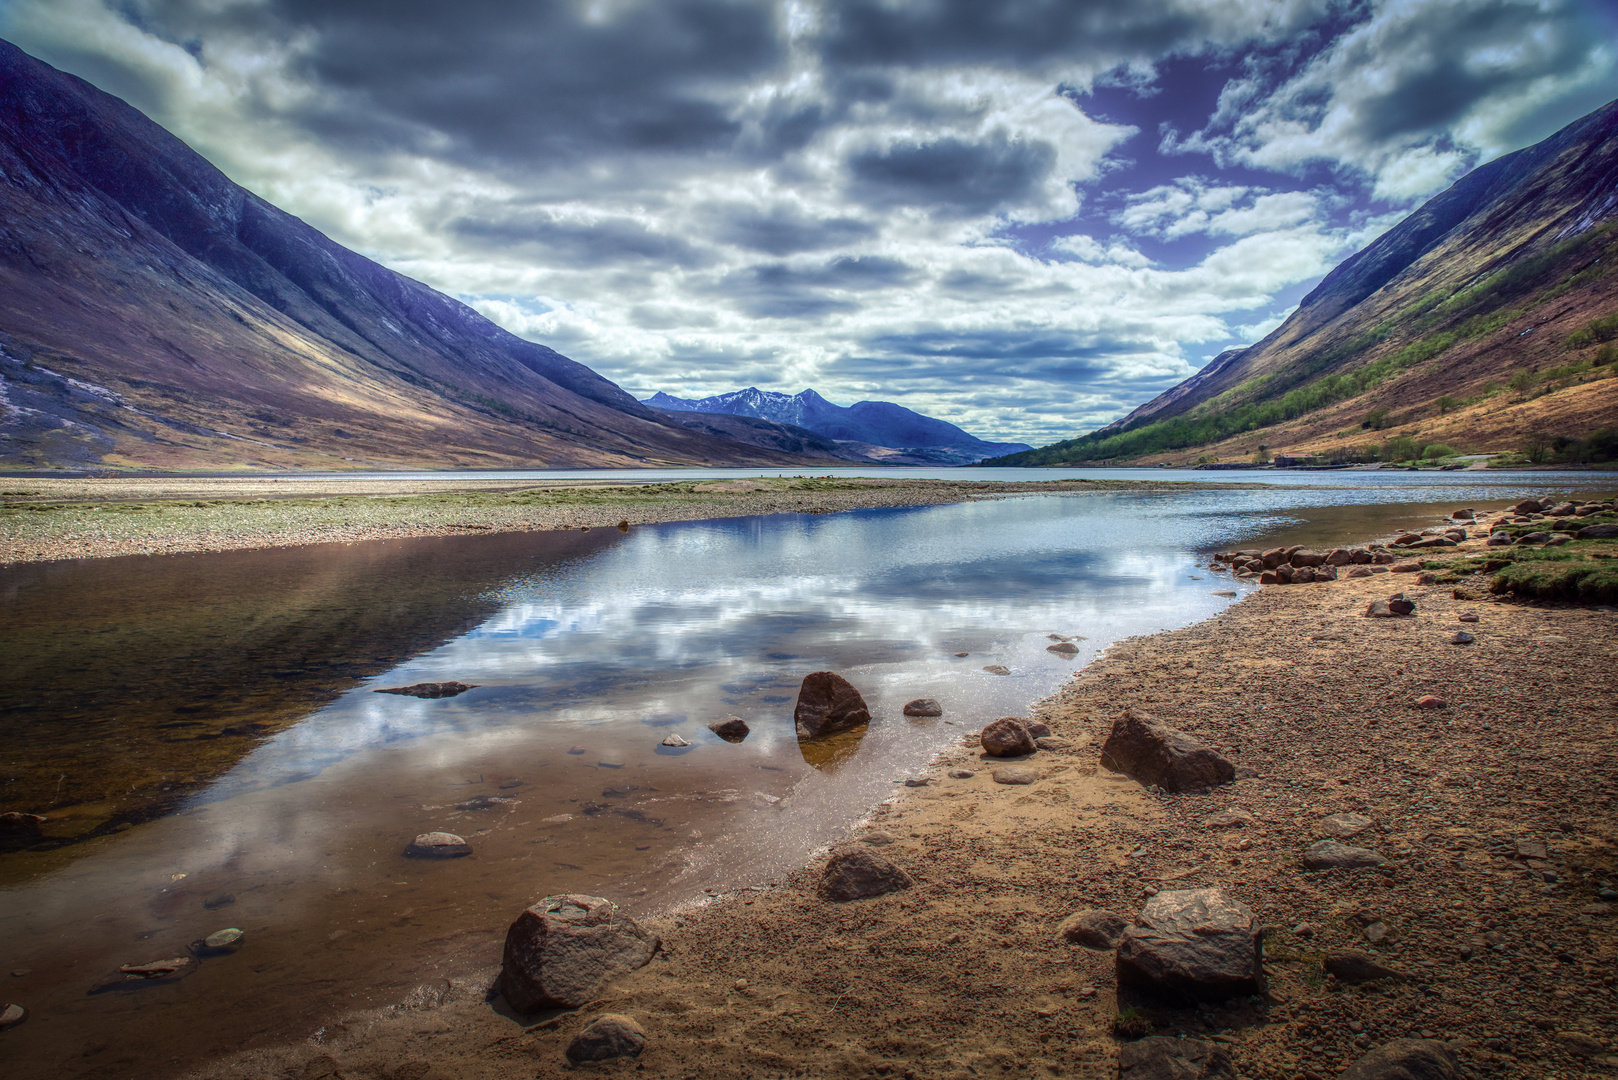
732 729
1409 538
1409 566
923 706
1050 742
1464 515
1461 637
1406 1059
1273 557
1598 532
1579 1043
1339 557
13 823
608 1036
917 781
1302 575
562 952
11 1016
1376 932
1193 943
1224 592
1538 537
485 802
1015 774
1064 649
1092 929
961 774
1393 606
1359 572
610 761
438 845
1498 539
1356 967
1155 754
214 903
1527 506
859 875
1431 701
1467 616
1006 737
1343 826
673 739
134 976
1038 729
878 838
997 669
429 689
1558 539
1331 855
1234 818
1532 849
827 703
219 943
1306 557
1159 1057
1427 577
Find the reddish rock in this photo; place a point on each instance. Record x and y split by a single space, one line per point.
1430 701
857 874
828 703
608 1036
1306 557
1158 755
1339 557
563 951
1199 944
1006 737
1092 929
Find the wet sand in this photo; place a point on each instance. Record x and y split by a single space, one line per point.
48 519
963 975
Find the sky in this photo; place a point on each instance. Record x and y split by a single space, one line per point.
1022 216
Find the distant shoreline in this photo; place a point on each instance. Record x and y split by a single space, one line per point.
50 519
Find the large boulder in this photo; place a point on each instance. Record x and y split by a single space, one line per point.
1306 557
608 1036
827 703
1406 1059
1198 944
1163 1058
562 952
857 875
1007 737
1598 532
1155 754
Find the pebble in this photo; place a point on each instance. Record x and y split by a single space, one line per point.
438 845
577 750
672 740
11 1016
1016 774
917 781
997 669
877 838
1431 701
961 774
1461 637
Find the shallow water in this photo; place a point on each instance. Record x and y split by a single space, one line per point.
133 672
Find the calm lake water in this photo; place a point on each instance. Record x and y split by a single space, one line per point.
202 732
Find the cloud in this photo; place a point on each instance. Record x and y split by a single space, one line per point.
915 201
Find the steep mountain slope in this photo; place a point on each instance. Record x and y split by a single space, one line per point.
1484 321
874 423
154 313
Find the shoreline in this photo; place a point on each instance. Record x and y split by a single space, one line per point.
964 975
44 521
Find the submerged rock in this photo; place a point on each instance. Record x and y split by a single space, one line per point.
923 706
563 951
858 875
219 943
429 689
1063 648
11 1016
1157 755
733 729
997 669
828 703
438 845
134 976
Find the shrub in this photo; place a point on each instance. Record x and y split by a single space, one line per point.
1446 403
1522 380
1438 450
1400 448
1376 419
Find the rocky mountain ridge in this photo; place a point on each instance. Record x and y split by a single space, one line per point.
864 429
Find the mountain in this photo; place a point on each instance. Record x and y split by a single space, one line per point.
1485 321
153 313
873 424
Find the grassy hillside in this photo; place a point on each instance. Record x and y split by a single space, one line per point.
1497 334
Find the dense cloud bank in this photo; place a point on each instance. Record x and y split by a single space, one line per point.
1024 217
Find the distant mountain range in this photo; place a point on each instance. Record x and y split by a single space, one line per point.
866 430
155 314
1486 321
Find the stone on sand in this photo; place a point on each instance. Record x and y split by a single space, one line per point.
858 875
1406 1059
1015 774
1344 825
438 845
1159 1057
608 1036
1093 929
1331 855
1356 967
1199 944
1153 753
1006 737
563 951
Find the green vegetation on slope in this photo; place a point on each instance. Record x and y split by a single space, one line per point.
1430 325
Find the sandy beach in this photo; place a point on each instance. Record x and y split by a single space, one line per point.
48 519
1495 813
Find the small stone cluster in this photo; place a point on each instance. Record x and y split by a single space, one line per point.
1564 521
